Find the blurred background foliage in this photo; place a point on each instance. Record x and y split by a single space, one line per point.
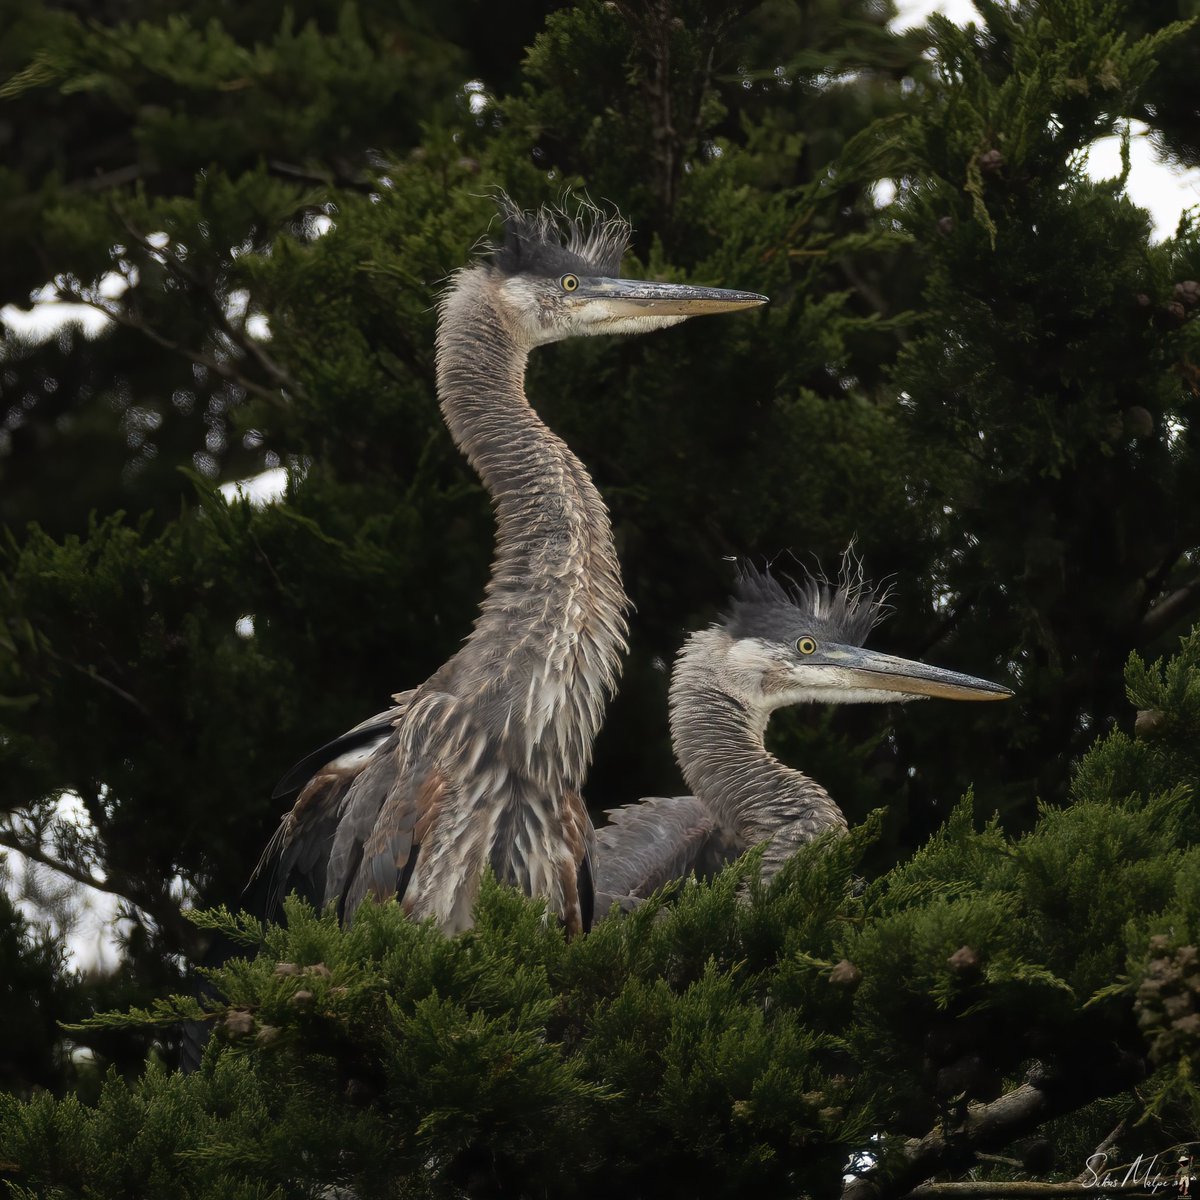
977 362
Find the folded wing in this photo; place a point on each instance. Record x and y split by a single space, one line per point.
654 842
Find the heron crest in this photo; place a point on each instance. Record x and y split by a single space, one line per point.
552 242
845 610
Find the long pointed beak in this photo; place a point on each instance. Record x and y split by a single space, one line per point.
634 297
870 669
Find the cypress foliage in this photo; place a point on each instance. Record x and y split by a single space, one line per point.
709 1041
990 380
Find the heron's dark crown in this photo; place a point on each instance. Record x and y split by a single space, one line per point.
845 611
551 243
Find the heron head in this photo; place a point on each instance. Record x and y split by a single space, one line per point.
804 643
558 276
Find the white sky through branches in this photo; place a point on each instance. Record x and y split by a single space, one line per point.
1164 191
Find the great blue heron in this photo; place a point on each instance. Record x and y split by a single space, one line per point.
480 767
777 646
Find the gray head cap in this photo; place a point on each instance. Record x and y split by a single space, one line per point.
551 243
845 611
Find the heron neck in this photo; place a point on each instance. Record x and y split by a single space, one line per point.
545 652
719 744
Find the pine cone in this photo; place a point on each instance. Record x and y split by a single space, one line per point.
1173 313
964 961
1187 291
238 1024
1168 1003
845 975
1147 722
1138 421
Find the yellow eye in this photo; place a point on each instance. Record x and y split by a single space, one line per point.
806 646
569 282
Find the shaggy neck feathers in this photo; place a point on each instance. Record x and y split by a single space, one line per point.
546 649
719 743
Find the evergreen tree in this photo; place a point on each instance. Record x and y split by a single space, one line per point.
127 681
716 1043
989 380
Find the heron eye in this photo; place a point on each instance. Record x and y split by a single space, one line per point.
569 283
806 646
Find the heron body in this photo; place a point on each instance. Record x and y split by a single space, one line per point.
480 767
776 647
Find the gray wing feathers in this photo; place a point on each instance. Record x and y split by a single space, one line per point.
297 858
354 746
390 810
651 843
375 787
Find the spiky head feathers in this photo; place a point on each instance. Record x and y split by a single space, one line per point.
765 608
556 276
552 243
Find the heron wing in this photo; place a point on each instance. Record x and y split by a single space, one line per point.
359 741
653 842
387 816
296 858
440 765
358 825
577 877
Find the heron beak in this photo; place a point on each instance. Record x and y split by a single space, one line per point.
633 297
870 669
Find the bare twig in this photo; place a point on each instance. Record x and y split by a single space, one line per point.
36 854
224 369
1118 1131
1171 609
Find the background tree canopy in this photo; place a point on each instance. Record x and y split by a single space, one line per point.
990 382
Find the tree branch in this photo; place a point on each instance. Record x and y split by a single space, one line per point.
92 674
1110 1140
1168 611
1044 1095
869 292
102 180
36 854
224 369
356 181
983 1189
163 911
237 336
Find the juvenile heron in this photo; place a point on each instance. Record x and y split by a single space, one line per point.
480 766
777 646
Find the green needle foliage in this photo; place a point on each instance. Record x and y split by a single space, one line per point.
725 1038
977 360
